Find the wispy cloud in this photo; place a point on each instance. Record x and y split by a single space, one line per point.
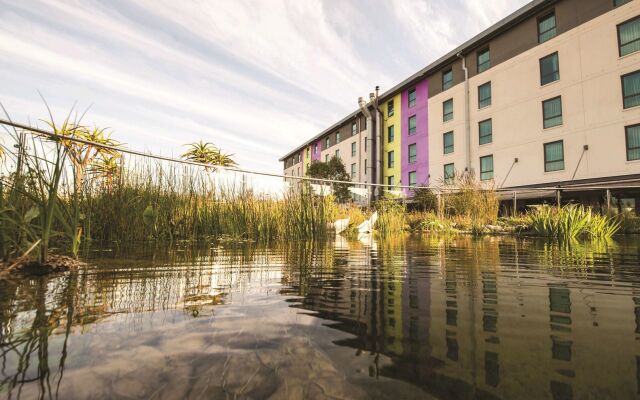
257 78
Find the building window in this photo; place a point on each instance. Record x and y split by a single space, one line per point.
552 112
390 159
326 158
412 125
447 110
449 173
365 166
353 129
485 129
390 109
484 60
447 79
412 153
553 156
618 3
412 97
412 178
629 36
390 134
486 168
631 89
327 143
337 137
353 149
447 140
549 69
484 95
315 148
338 154
353 171
633 142
390 182
546 27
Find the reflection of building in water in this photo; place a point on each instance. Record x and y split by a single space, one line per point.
477 321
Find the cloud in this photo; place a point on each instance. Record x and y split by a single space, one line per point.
255 77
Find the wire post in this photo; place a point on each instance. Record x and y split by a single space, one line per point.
515 203
559 197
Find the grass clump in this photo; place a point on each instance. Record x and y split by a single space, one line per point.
470 203
391 217
571 222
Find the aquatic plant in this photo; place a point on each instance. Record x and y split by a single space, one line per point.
474 201
391 217
572 221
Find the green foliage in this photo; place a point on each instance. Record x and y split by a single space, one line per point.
391 217
474 201
425 199
571 221
334 169
208 153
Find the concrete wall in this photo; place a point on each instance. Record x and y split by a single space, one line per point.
590 71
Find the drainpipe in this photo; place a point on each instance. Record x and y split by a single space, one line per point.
467 118
365 110
378 143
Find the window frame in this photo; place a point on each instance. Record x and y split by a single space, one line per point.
391 110
353 170
544 148
623 96
338 137
391 130
480 105
619 38
409 100
540 66
391 182
492 168
415 128
415 175
561 113
444 115
415 156
555 26
444 143
615 5
626 142
449 179
480 136
450 82
391 159
483 50
354 149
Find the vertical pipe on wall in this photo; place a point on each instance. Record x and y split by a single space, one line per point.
467 117
365 110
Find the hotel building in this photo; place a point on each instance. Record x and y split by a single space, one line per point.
547 97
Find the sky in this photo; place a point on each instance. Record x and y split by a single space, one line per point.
255 77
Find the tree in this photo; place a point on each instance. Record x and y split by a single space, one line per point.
334 169
208 153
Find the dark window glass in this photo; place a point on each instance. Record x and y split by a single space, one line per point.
486 168
390 159
631 90
449 173
485 129
633 142
353 129
447 140
447 110
390 134
353 149
552 112
412 125
412 153
412 97
554 156
484 60
390 109
546 27
412 178
353 171
391 182
337 137
447 79
484 95
629 36
549 69
617 3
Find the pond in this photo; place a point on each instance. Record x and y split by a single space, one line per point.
410 317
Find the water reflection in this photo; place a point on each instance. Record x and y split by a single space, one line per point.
408 317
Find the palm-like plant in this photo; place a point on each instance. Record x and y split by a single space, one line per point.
208 153
106 168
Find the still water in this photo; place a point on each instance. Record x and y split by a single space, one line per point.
415 317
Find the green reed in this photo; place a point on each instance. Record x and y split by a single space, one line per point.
571 221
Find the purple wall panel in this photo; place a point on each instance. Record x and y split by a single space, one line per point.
315 155
420 138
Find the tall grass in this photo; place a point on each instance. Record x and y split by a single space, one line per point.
571 221
471 202
391 217
134 199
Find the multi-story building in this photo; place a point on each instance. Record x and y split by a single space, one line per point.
547 97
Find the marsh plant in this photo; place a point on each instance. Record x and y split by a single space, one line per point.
391 217
472 204
56 192
572 221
